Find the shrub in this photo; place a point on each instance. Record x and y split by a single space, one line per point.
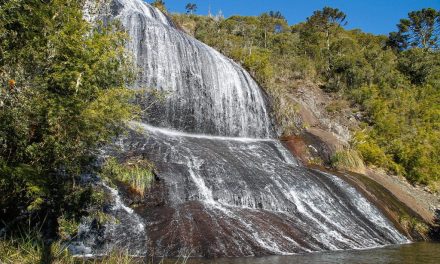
62 96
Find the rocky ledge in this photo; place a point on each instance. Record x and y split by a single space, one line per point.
325 123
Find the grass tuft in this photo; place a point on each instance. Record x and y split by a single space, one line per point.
348 160
135 172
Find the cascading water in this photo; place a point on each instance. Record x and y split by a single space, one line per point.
228 188
245 196
207 92
124 230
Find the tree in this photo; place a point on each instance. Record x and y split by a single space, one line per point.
276 14
62 91
191 8
265 21
417 64
326 20
271 22
421 29
160 4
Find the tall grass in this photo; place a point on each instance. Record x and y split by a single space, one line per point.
348 159
135 172
29 249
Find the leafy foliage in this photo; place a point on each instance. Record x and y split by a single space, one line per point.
62 96
421 29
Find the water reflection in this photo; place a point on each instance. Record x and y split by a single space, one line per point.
426 253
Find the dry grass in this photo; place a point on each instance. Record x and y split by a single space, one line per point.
349 160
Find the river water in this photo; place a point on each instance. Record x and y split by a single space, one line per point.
426 253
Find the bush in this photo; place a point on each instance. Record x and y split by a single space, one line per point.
372 154
62 96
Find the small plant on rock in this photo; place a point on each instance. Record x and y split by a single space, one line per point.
136 172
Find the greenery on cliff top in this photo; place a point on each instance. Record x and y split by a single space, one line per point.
394 80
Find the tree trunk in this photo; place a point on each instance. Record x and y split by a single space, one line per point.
328 51
265 38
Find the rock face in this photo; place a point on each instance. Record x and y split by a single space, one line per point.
242 197
323 123
227 188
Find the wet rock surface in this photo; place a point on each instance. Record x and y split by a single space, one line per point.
246 197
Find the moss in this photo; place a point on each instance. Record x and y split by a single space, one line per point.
414 226
67 228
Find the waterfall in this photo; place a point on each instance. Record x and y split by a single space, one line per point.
229 187
246 196
207 92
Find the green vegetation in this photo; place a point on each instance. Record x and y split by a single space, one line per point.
394 81
415 226
420 29
62 96
159 4
191 8
28 250
136 172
